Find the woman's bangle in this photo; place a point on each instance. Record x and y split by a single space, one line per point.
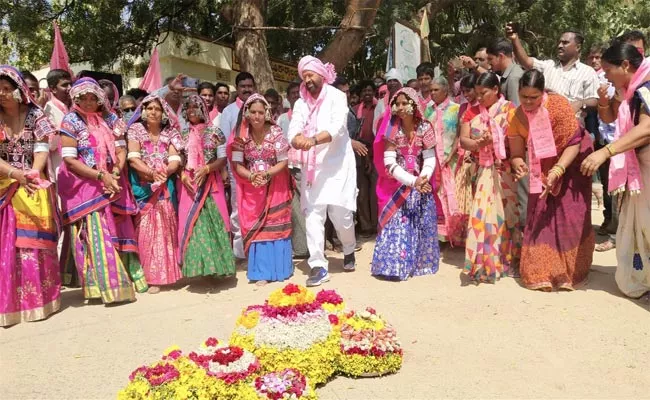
100 175
268 176
558 170
251 176
315 139
11 171
611 149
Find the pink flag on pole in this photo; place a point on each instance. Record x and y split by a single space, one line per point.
152 80
59 59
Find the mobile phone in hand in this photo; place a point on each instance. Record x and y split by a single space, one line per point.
190 82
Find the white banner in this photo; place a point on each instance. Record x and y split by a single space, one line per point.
406 50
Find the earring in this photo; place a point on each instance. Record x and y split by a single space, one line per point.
247 114
17 95
409 109
393 109
267 115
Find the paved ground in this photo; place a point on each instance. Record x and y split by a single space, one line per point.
490 341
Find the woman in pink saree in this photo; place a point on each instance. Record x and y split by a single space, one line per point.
92 188
30 282
154 144
258 152
204 223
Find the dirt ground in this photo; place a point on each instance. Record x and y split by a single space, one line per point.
487 341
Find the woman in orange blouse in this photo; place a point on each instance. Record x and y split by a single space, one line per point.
558 238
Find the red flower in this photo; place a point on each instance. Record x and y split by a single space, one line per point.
334 320
329 296
139 371
161 374
291 289
211 342
374 351
174 355
226 355
290 311
200 360
371 310
234 377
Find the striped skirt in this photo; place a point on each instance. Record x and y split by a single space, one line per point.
101 271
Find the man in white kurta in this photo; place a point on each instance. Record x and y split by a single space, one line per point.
328 186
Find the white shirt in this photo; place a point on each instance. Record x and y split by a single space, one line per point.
283 123
335 180
54 160
229 119
379 112
579 82
217 121
607 131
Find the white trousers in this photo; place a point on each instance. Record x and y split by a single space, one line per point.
237 241
343 222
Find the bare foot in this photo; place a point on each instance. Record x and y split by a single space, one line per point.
261 283
153 290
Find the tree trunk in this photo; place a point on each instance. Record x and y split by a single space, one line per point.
359 17
250 45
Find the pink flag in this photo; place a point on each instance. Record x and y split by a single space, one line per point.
59 58
152 80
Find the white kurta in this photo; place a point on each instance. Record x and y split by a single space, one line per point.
54 161
335 180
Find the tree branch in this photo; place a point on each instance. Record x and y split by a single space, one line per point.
287 28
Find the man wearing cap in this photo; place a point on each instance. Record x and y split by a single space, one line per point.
328 186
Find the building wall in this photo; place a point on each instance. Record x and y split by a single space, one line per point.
213 62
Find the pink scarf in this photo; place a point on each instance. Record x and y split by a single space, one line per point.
424 102
389 127
498 135
361 106
59 104
308 158
326 70
34 175
541 143
102 134
624 172
195 158
213 114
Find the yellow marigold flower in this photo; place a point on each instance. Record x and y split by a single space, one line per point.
249 319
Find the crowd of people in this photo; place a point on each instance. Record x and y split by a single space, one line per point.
119 195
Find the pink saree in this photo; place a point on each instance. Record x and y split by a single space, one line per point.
264 212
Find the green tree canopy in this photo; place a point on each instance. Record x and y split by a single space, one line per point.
104 31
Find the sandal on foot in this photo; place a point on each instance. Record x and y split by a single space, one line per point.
605 246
